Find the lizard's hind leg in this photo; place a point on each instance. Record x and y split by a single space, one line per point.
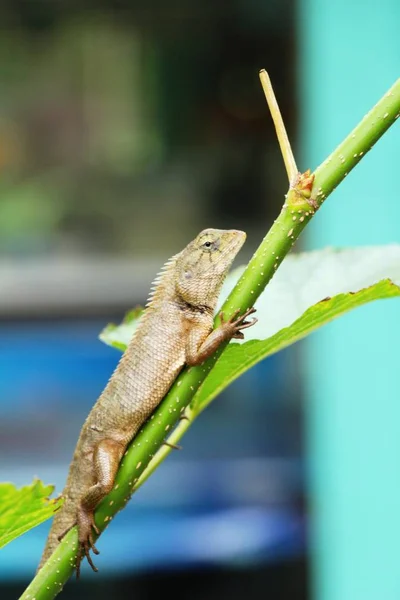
106 458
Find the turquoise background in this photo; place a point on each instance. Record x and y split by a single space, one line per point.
349 57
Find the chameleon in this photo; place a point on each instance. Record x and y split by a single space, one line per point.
176 328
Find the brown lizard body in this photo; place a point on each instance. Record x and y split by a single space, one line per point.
176 329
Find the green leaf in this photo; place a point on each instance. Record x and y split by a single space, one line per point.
238 358
306 278
22 509
309 290
119 336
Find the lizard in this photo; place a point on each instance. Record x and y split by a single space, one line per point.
176 328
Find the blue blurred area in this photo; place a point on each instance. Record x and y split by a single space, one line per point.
231 496
143 540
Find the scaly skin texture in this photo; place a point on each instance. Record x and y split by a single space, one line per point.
176 329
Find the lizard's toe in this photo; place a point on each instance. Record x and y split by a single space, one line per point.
86 547
95 528
91 544
86 530
84 551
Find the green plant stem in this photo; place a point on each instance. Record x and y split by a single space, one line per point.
349 153
302 200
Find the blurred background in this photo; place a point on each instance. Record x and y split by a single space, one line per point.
125 129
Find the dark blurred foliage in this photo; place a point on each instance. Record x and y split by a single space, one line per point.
119 118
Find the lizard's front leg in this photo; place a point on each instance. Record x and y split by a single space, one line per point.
201 344
106 458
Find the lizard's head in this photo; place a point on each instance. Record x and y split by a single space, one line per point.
202 266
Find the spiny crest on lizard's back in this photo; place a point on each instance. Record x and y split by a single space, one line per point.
165 275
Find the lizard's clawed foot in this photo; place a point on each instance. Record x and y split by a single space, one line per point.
236 323
86 526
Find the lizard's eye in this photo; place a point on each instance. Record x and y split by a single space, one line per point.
210 245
